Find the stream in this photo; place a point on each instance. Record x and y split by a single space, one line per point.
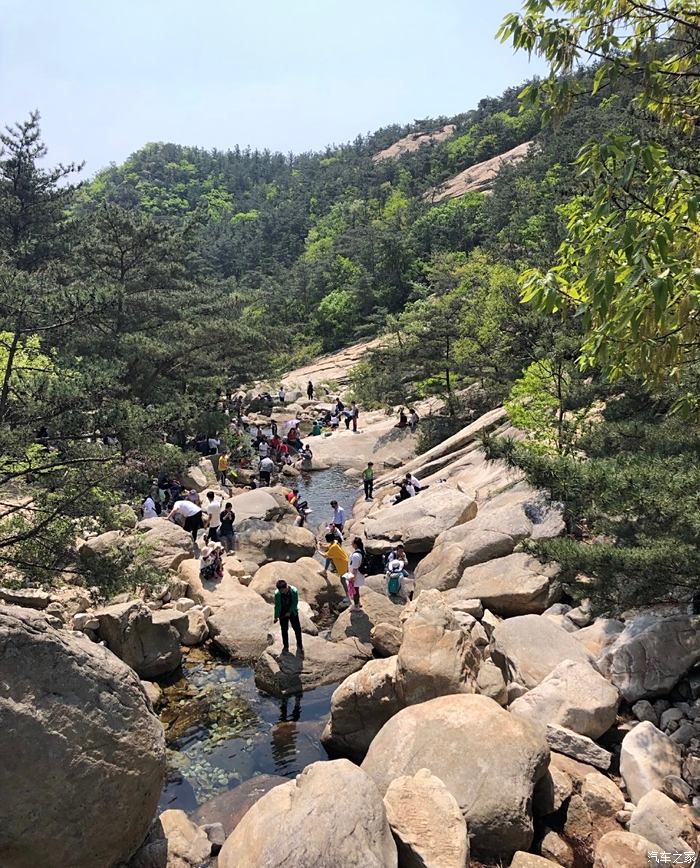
220 729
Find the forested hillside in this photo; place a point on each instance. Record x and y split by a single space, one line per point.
129 301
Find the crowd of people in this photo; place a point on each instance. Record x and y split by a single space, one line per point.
266 452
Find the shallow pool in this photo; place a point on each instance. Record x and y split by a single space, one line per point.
220 729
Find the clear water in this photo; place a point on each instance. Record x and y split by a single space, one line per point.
221 730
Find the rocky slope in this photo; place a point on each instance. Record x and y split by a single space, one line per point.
491 717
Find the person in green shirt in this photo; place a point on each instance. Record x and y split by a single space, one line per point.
368 480
286 612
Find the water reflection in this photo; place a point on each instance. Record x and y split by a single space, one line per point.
284 732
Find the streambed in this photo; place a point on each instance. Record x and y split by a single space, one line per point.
220 729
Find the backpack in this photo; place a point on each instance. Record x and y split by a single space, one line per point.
365 565
394 585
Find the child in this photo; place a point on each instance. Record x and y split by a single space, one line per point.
395 575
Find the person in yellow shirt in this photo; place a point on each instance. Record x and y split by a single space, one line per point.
223 467
335 555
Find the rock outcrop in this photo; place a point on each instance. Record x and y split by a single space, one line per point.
83 756
646 758
488 759
306 574
332 814
150 645
263 541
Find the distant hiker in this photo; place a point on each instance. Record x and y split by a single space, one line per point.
310 390
267 465
405 491
273 428
223 467
403 420
214 513
280 395
368 480
355 576
338 515
286 612
339 406
148 508
191 513
355 413
413 420
263 448
227 532
316 430
193 497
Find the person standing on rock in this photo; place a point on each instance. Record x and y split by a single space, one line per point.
338 515
368 480
413 420
267 465
280 395
214 513
191 513
355 575
148 507
223 467
227 532
287 612
355 413
310 390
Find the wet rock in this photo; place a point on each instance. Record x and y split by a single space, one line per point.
488 759
74 722
427 822
330 808
228 808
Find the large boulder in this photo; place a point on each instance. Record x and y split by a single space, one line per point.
188 845
528 647
427 822
376 609
573 695
194 477
661 820
261 541
652 654
618 849
167 543
283 673
331 815
306 574
517 584
436 656
418 521
83 757
151 647
646 758
260 503
243 628
488 759
455 550
29 598
360 707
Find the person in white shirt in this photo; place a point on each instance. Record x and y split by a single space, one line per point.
280 394
192 515
149 508
263 449
338 515
267 465
355 577
214 513
413 482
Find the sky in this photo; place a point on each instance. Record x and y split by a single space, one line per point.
108 76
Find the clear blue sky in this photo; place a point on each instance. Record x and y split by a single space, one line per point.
110 75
